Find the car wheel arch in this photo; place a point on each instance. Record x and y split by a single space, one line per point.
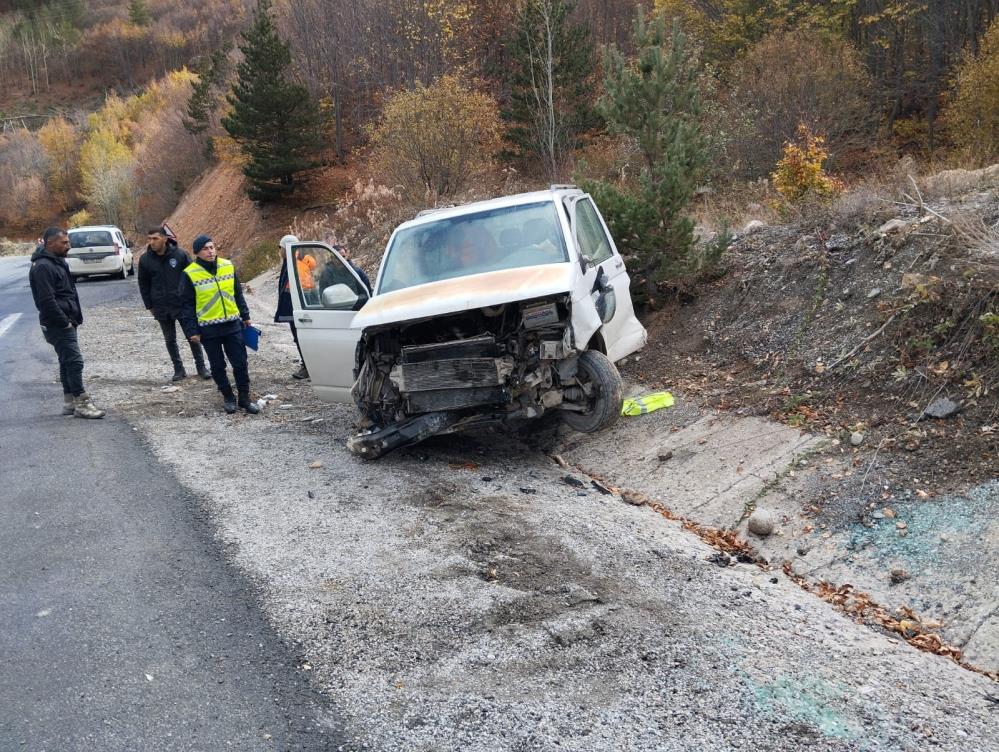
597 342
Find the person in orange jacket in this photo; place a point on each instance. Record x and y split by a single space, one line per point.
306 264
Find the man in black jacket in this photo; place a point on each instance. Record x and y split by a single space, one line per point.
160 270
214 313
60 313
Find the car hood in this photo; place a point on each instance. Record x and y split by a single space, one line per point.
465 293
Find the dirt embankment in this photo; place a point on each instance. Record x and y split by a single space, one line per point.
217 205
871 335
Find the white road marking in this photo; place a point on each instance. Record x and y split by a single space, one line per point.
7 322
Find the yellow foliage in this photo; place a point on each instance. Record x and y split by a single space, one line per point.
432 139
61 141
81 218
227 149
799 173
972 116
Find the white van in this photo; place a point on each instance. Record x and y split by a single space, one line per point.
100 249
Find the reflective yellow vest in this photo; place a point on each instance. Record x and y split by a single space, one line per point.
214 295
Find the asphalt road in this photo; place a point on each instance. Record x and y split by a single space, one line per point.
121 625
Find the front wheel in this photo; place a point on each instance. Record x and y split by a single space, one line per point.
602 389
131 269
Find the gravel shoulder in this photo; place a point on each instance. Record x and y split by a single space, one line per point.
463 596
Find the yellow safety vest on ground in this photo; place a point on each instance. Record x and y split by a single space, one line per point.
647 403
214 295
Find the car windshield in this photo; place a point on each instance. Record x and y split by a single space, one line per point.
89 239
505 238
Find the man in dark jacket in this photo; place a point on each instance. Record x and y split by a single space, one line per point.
160 270
214 313
60 313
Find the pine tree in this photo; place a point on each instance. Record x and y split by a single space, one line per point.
273 120
654 100
138 13
204 98
552 64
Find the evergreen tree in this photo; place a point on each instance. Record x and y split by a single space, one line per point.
654 99
138 13
551 67
273 120
204 97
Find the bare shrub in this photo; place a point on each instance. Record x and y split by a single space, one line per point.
792 77
22 163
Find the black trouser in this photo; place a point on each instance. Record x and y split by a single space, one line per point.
294 336
230 346
169 328
67 348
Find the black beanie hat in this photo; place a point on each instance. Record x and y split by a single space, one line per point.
200 242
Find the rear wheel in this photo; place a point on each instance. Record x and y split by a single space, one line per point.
123 274
602 389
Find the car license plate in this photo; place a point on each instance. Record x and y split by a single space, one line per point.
92 261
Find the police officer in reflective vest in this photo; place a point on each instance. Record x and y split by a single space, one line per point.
214 313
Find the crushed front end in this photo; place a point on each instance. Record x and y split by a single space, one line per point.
482 366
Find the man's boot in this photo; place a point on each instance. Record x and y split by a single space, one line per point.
203 371
301 373
246 403
229 402
179 374
68 404
84 408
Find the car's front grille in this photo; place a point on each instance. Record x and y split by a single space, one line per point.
448 374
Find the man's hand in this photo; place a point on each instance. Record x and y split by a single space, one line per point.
246 323
196 338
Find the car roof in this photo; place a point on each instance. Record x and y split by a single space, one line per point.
91 228
555 193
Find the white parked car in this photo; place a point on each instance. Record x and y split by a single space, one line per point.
484 313
100 249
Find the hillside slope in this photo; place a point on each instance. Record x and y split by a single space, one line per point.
217 205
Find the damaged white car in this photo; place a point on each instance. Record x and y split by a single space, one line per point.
481 314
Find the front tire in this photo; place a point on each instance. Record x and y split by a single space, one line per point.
604 404
131 269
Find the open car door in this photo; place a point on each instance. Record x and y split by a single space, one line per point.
607 278
326 294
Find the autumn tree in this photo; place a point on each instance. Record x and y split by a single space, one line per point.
61 141
653 99
274 120
973 113
549 80
432 139
107 176
789 77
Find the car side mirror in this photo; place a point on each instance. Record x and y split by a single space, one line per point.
341 297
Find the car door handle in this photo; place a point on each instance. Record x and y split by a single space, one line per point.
618 264
305 319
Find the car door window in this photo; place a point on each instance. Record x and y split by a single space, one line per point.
593 241
319 272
